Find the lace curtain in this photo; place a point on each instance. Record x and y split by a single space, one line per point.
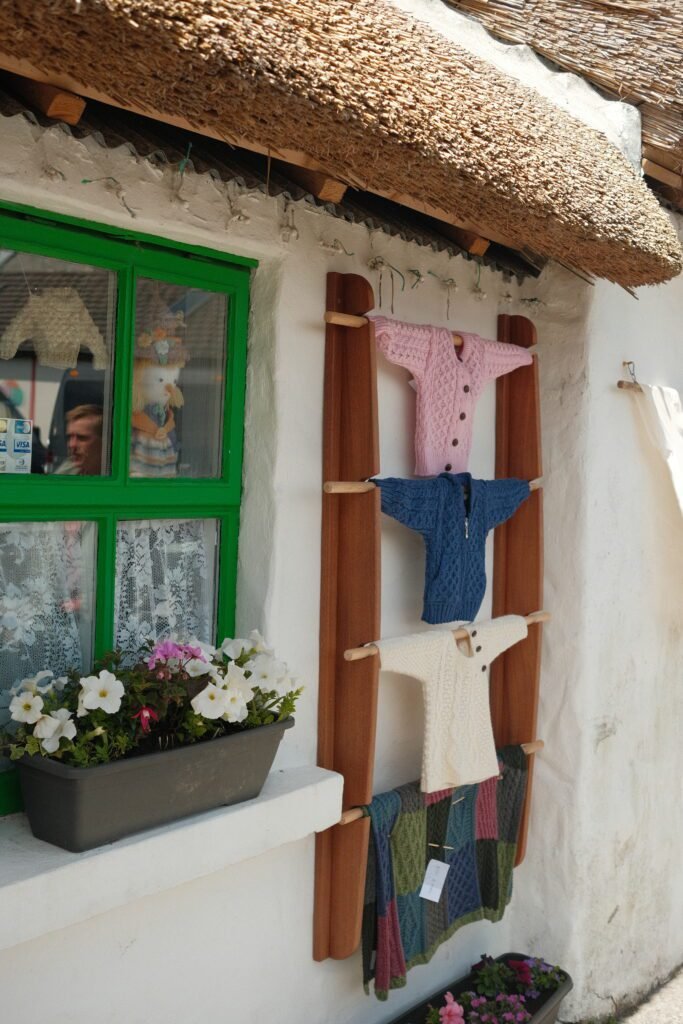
165 581
46 599
165 584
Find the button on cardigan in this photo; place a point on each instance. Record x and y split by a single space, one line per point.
454 513
448 382
458 746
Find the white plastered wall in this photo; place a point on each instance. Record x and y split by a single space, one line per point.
236 946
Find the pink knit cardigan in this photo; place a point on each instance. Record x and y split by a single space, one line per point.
449 381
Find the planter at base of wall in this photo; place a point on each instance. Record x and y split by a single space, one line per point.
81 808
543 1010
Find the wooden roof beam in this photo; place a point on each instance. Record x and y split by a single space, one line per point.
47 99
322 186
663 174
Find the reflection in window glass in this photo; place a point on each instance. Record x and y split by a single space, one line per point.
47 600
178 381
165 581
57 323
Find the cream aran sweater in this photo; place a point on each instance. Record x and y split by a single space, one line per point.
458 742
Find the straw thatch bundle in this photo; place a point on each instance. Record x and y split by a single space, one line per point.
632 48
378 99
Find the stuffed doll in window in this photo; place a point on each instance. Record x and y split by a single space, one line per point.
159 357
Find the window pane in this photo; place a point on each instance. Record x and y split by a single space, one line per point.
47 600
57 324
165 581
178 381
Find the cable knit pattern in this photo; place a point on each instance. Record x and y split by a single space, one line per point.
454 513
448 382
400 929
458 745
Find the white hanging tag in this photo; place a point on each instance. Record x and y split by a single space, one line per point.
434 879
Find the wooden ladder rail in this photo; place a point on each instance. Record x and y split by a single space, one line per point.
349 612
518 554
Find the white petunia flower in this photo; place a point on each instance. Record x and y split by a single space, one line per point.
257 642
266 672
236 709
64 728
103 691
45 727
26 707
234 648
210 702
32 683
196 667
288 684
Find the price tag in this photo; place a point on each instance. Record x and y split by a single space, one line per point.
434 879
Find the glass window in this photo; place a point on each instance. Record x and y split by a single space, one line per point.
165 581
47 599
56 354
119 497
178 381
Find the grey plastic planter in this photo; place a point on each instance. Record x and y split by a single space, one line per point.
80 808
544 1010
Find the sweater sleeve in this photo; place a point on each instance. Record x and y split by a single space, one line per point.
403 343
499 634
503 498
419 655
499 358
411 502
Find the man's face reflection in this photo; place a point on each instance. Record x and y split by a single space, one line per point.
84 443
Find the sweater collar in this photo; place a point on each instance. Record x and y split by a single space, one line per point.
464 489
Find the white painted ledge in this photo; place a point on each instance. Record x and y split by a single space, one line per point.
43 888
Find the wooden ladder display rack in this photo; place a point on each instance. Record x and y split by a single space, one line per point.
350 592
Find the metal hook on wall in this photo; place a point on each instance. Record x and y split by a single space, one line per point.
379 263
335 246
449 284
477 290
289 231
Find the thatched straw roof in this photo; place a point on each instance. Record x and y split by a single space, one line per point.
633 50
377 99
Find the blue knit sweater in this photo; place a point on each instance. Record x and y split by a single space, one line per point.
453 513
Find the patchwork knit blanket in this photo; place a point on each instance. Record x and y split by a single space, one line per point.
474 830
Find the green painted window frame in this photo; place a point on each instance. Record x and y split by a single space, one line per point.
104 500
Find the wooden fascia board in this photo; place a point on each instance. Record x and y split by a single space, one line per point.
19 66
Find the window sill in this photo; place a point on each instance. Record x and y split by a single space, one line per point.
43 888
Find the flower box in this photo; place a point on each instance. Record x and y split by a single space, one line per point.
186 728
81 808
543 1010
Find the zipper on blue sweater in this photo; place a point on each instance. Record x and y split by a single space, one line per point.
467 527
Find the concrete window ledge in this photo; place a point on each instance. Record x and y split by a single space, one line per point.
43 888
